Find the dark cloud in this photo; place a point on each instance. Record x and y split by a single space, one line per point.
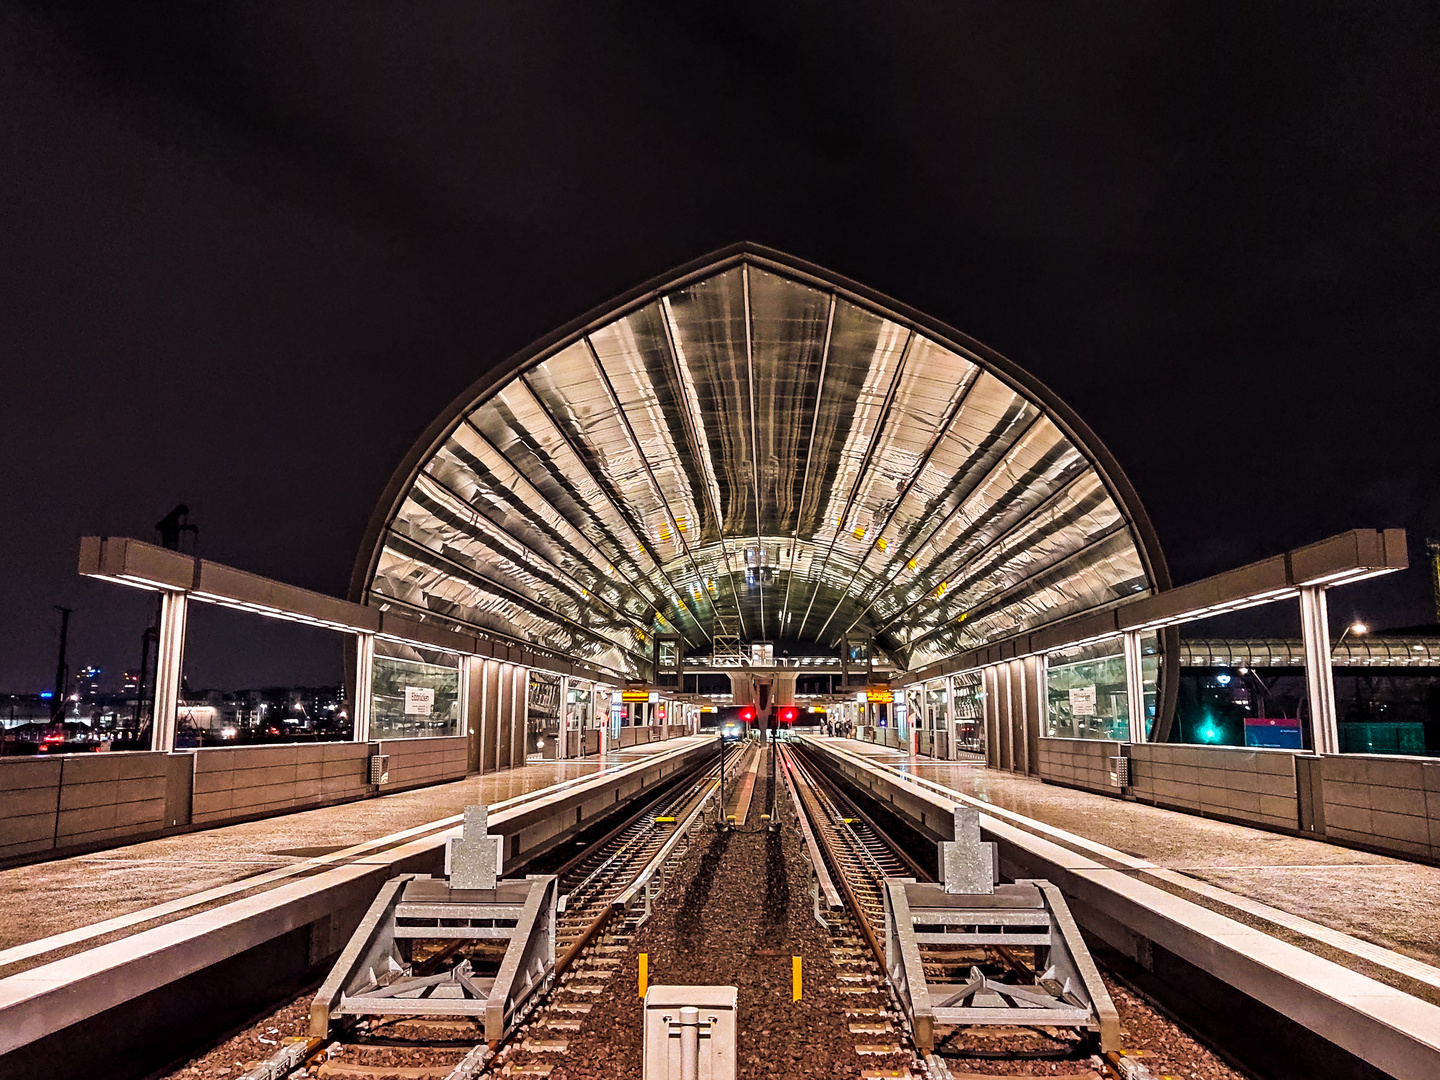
250 251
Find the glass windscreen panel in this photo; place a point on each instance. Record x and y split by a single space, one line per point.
1086 696
415 693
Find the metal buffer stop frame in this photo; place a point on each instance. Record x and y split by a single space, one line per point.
378 973
970 911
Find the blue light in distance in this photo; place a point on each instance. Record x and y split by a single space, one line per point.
47 693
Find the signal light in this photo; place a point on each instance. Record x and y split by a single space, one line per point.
747 715
789 714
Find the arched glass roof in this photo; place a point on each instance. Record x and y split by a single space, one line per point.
753 447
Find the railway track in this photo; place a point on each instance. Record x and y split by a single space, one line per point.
605 894
858 856
583 1024
853 858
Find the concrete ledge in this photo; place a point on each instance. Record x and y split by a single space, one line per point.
1393 1031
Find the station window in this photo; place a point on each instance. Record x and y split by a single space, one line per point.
1086 691
968 698
415 692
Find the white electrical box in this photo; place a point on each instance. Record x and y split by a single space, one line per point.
379 768
1120 772
690 1032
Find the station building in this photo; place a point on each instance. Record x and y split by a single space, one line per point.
752 479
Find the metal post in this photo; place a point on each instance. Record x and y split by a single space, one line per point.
1135 687
364 685
62 671
689 1043
951 741
1319 681
722 779
169 666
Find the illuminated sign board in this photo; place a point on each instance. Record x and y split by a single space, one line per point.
879 695
634 695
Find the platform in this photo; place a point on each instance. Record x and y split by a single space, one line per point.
1309 952
240 929
53 909
1391 903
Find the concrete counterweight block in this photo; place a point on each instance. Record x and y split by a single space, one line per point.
473 860
967 865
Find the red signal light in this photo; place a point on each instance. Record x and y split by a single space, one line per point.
747 715
789 714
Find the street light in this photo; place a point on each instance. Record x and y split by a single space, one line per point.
1357 628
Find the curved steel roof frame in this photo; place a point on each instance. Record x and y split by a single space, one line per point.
652 467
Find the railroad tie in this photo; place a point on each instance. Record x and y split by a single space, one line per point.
863 1028
545 1046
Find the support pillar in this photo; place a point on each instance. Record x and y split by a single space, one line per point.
562 751
1032 677
1319 680
1135 688
169 666
520 738
504 714
472 709
364 685
490 709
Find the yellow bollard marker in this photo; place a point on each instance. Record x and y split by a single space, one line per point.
644 973
795 978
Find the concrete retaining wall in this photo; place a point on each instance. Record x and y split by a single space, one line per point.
1081 763
79 800
1389 804
249 781
415 762
1385 804
1256 787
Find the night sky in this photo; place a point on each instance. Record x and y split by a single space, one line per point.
248 252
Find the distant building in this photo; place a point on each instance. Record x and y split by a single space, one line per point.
87 683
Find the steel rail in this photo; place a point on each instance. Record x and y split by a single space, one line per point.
824 830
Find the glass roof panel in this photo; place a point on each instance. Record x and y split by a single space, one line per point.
757 453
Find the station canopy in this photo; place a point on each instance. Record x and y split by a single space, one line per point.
755 448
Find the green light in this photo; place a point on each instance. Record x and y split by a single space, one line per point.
1209 732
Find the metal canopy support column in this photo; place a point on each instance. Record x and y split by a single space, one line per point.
364 684
169 665
1135 687
1319 681
1031 673
520 738
472 709
563 750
